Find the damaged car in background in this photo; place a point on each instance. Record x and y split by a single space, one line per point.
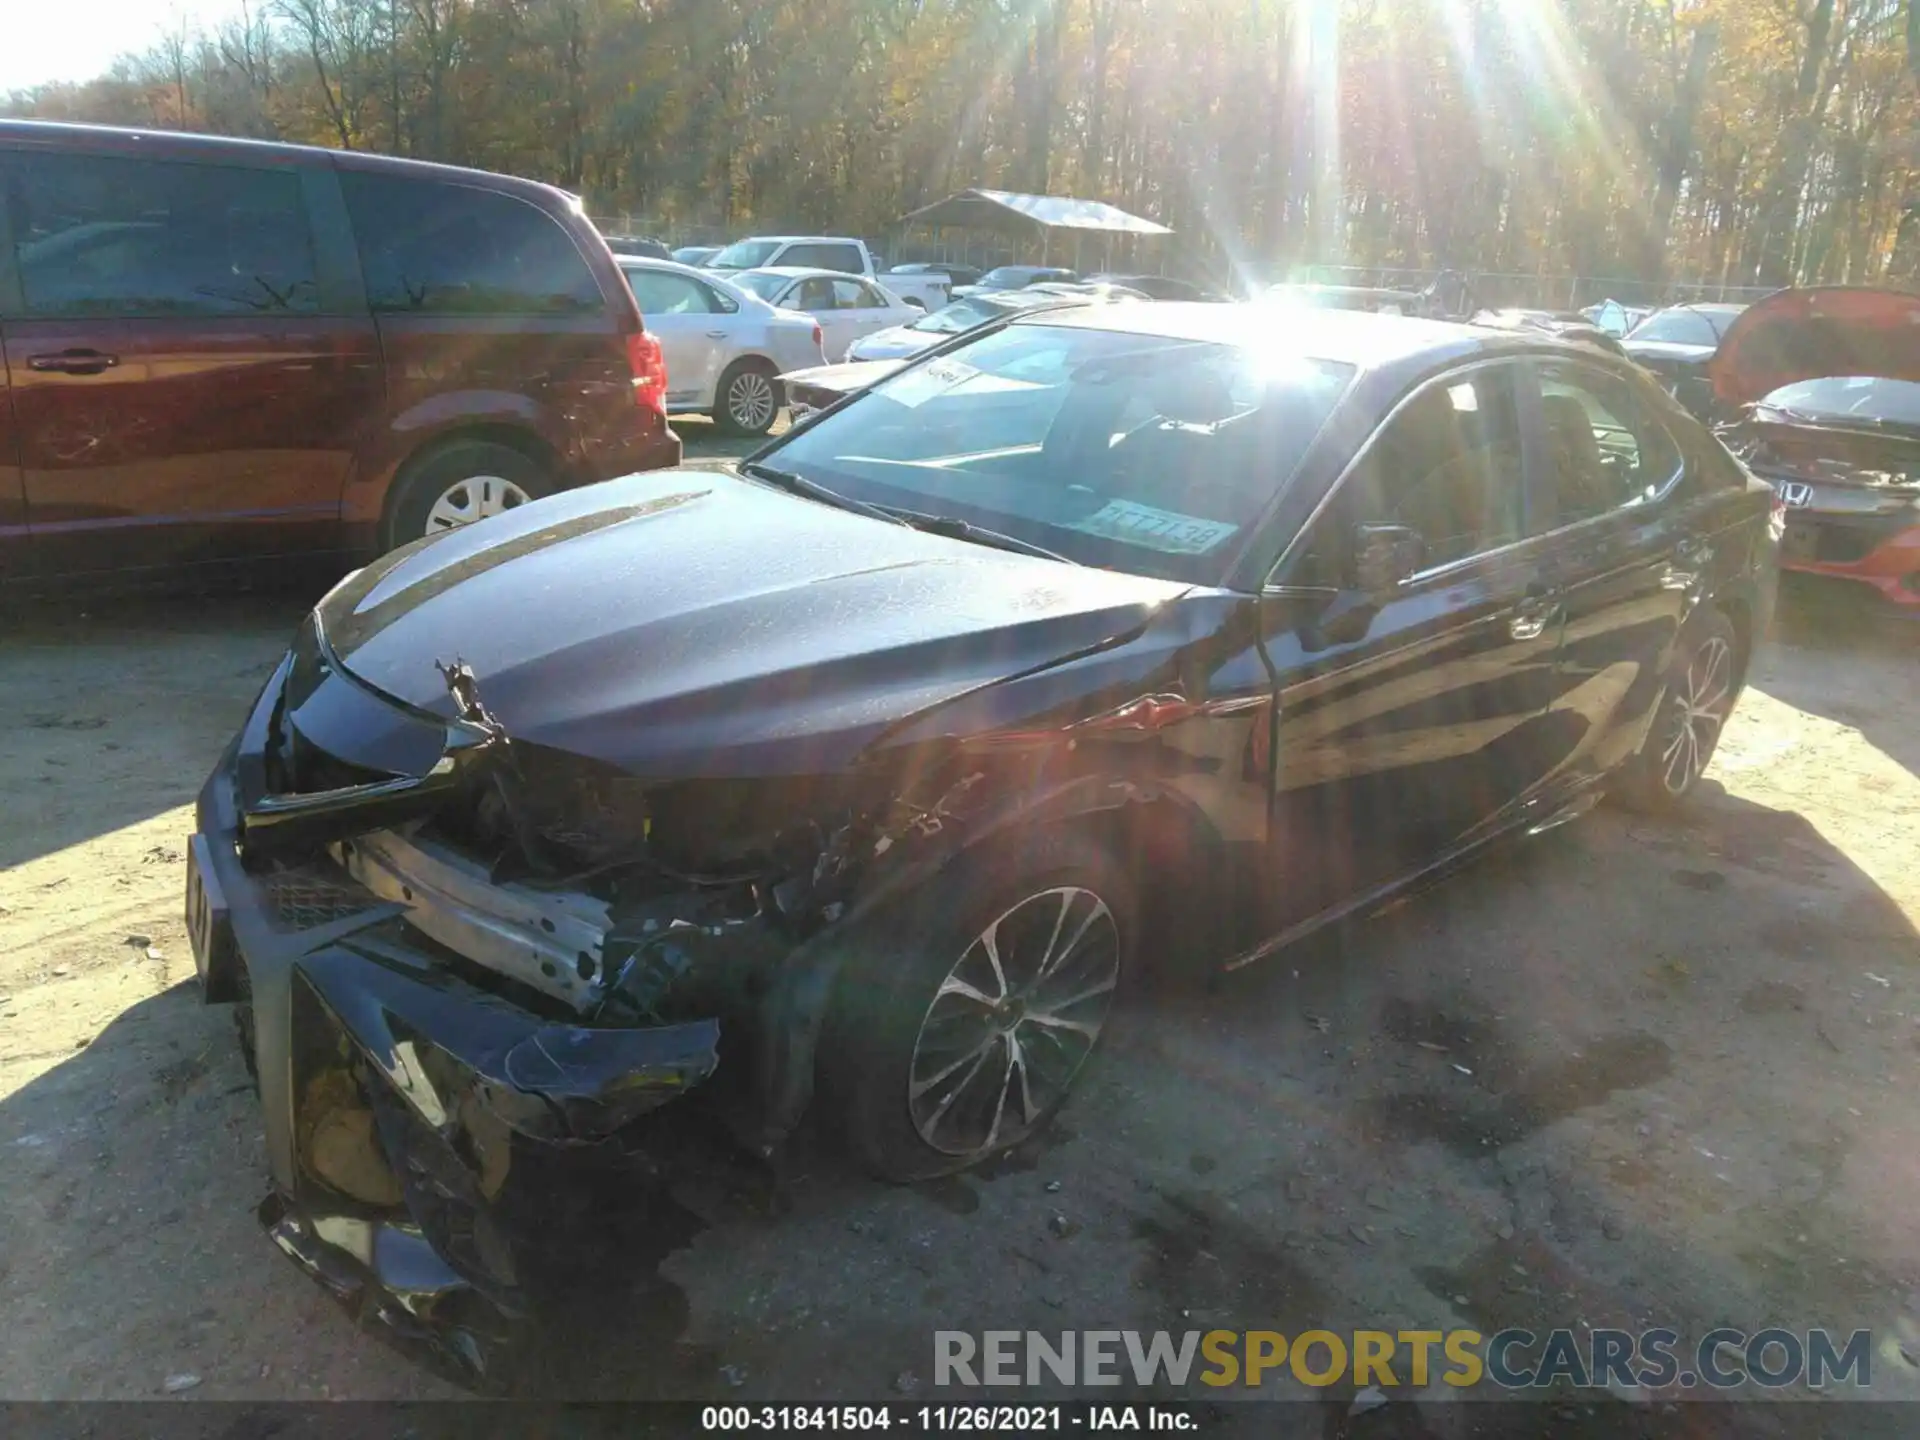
858 777
1826 382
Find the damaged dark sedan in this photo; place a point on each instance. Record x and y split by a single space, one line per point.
859 777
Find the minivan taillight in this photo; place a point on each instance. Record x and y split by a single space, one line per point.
649 368
819 340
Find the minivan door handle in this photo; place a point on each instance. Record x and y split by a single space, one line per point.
73 362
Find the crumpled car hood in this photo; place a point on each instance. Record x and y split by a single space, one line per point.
690 623
843 379
1812 333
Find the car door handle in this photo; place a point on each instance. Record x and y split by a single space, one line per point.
716 334
1689 558
1533 614
73 362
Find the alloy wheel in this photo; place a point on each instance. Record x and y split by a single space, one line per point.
1697 709
473 499
1013 1021
750 400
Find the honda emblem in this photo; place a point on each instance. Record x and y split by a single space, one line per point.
1796 494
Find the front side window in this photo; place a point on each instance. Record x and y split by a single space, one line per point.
1604 448
98 235
429 247
814 295
1136 452
1447 467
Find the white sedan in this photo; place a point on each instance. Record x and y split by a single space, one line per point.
846 306
725 347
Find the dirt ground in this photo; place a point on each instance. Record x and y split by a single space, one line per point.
1630 1073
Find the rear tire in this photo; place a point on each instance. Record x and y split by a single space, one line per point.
1702 681
748 398
460 483
943 1049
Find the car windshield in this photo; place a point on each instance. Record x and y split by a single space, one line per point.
744 255
961 315
1851 397
1679 326
1009 277
1133 452
760 283
693 254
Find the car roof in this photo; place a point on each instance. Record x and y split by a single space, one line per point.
125 140
1354 337
798 272
805 239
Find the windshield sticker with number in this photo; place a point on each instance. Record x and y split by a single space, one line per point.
930 381
1161 530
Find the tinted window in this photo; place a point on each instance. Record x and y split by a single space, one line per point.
662 293
1604 448
1447 466
434 248
96 235
1140 452
825 257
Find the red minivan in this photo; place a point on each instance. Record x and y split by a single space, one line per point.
221 351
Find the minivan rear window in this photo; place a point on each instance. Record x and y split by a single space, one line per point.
97 235
437 248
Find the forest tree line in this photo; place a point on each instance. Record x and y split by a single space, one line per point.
1735 142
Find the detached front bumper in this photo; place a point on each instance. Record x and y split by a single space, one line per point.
431 1142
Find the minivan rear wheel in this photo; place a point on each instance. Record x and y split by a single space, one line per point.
458 484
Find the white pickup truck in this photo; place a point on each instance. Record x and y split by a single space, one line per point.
829 252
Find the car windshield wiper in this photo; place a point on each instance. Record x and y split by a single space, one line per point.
957 529
795 484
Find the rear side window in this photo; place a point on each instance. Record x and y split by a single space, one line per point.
97 235
1605 449
845 258
428 247
661 292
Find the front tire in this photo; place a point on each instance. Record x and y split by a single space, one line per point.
1701 684
963 1019
749 398
458 484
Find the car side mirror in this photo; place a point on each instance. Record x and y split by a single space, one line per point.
1384 556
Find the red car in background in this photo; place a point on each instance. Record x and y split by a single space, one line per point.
220 351
1829 380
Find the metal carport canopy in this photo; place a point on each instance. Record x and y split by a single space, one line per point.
1008 210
